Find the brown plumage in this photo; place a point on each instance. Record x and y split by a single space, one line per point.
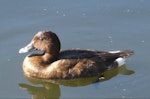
73 63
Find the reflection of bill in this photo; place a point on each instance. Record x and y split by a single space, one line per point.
51 89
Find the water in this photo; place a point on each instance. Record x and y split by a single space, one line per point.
98 24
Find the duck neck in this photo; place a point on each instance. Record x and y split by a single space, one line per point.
49 58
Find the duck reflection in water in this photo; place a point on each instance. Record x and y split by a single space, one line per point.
73 67
51 88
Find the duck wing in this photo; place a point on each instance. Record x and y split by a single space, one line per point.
81 53
78 54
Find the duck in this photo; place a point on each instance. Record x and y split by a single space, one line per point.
53 63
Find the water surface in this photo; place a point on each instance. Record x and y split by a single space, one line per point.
98 25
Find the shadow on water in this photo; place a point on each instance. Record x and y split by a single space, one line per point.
51 89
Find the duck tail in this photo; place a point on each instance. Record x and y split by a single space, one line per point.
125 53
122 56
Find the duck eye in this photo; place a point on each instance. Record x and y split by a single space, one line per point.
42 38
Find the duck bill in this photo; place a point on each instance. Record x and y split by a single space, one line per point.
27 48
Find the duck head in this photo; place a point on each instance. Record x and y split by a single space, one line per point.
45 41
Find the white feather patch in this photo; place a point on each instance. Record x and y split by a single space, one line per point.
120 61
113 52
